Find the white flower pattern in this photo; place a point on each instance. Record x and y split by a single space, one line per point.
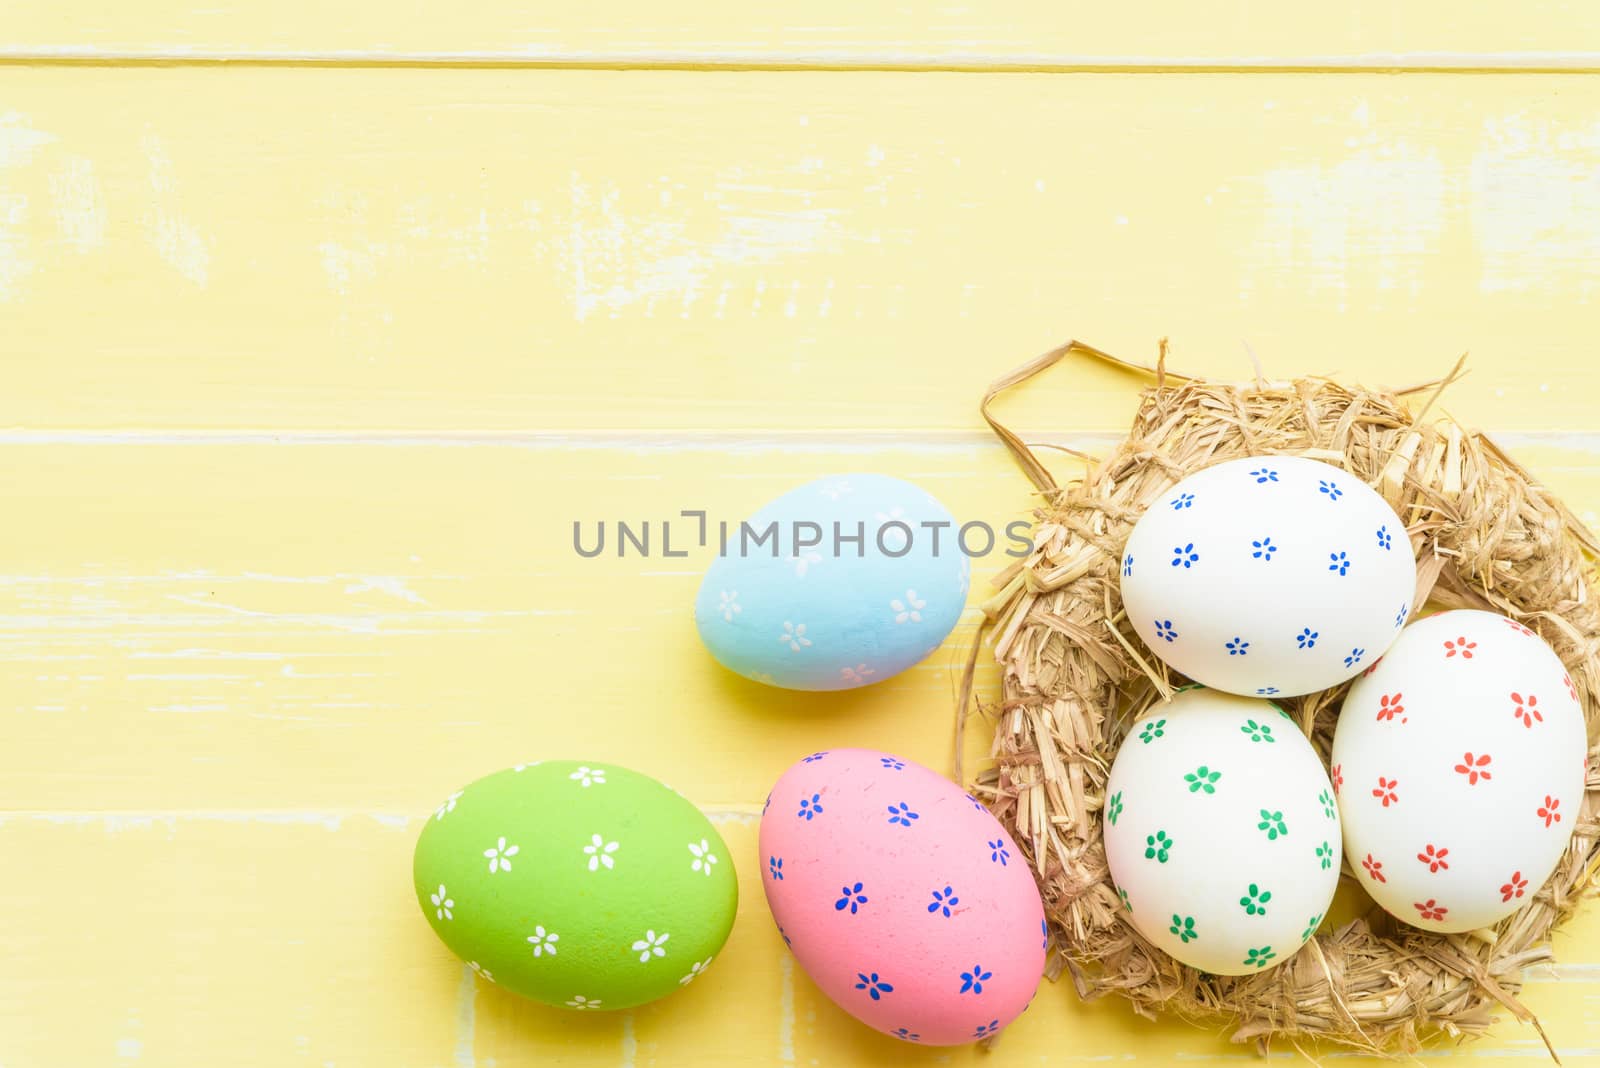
730 606
694 971
589 776
483 973
529 764
908 609
703 857
599 852
856 675
651 946
834 490
543 942
580 1003
794 636
448 806
500 856
442 904
802 562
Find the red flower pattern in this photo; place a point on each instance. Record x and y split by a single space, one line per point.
1527 711
1547 811
1460 645
1372 667
1514 888
1374 869
1434 858
1385 791
1430 909
1389 706
1474 768
1572 691
1338 776
1518 627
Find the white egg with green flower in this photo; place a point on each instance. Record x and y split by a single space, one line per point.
1221 832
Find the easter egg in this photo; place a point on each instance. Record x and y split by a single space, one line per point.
1460 759
842 582
1221 832
578 884
902 897
1268 575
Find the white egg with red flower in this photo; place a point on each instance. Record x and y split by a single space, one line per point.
1460 760
1269 576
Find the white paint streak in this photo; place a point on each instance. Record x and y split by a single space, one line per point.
393 585
79 209
114 822
466 1019
18 144
1536 206
129 1049
178 242
615 255
630 1042
1374 215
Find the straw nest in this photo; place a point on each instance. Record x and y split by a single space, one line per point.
1486 535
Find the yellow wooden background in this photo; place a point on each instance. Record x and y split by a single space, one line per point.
321 322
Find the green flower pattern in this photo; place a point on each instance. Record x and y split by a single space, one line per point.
1328 808
1254 902
1311 927
1123 894
1258 732
1152 731
1272 822
1202 779
1325 855
1114 808
1156 846
1183 927
1258 958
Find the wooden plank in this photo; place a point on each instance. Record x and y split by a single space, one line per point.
827 32
253 939
497 249
366 627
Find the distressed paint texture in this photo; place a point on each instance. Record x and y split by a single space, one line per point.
306 371
681 250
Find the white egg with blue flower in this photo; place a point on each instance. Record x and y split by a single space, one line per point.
839 583
1269 576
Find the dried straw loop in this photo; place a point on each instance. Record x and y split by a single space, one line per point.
1486 535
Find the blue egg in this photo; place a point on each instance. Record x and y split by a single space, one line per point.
842 582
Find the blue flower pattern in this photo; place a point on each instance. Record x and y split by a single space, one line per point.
814 757
1384 539
1182 501
1164 629
853 899
942 900
810 807
1267 691
1307 638
1127 565
1333 492
874 986
1354 658
1263 549
1400 616
998 853
775 866
974 980
1185 555
1238 647
902 814
906 1035
892 763
1341 562
985 1030
1264 474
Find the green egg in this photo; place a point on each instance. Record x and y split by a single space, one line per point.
579 884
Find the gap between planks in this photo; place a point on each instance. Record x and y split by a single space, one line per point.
823 62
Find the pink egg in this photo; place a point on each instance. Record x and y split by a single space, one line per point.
903 898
